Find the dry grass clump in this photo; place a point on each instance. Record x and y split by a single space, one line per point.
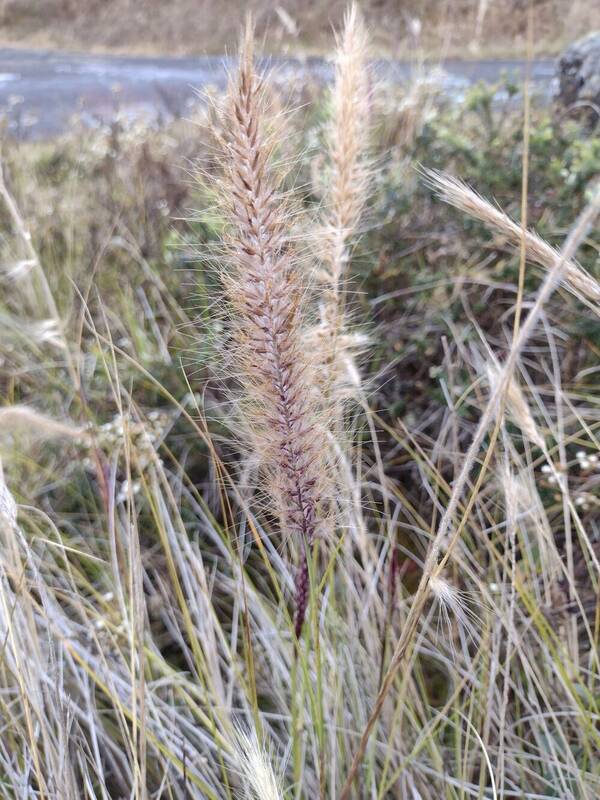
446 538
151 533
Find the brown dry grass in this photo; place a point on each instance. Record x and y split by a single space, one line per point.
447 27
145 589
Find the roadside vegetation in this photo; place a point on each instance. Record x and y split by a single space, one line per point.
299 438
457 28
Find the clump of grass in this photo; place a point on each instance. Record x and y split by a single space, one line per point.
446 537
144 598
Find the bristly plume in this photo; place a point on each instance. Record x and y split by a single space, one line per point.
260 779
348 144
456 193
264 294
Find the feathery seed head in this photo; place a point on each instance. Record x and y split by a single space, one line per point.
8 507
453 604
348 144
264 295
39 427
260 780
456 193
349 133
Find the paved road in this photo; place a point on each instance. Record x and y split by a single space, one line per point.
40 92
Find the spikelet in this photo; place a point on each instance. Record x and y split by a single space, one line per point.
517 405
345 198
264 294
524 509
453 604
260 781
456 193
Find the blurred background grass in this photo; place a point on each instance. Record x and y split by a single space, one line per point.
461 28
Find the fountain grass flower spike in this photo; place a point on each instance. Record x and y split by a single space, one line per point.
264 292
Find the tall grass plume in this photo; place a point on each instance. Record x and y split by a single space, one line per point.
348 144
265 294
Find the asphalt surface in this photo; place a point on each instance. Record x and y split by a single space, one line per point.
41 92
